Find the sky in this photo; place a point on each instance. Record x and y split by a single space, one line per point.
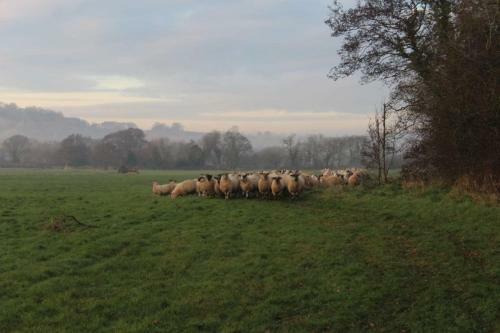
260 65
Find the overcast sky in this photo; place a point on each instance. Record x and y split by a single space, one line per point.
211 64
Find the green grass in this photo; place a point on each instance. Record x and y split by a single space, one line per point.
379 259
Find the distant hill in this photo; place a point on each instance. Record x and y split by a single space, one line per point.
175 132
47 125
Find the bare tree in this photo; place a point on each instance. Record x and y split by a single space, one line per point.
211 144
440 57
371 148
129 149
16 146
75 150
292 148
120 148
330 149
234 146
270 158
312 151
379 150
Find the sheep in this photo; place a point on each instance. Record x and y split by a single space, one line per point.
314 180
198 186
217 190
284 179
354 179
306 177
184 188
163 189
357 177
341 176
245 185
295 185
277 186
264 185
235 179
229 184
333 180
205 186
248 183
326 172
310 181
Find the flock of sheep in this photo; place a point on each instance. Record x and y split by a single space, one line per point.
272 185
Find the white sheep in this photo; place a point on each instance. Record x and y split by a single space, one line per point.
205 185
229 184
277 186
164 189
332 180
326 172
184 188
295 184
264 184
358 177
249 183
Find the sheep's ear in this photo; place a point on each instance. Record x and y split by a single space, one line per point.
209 177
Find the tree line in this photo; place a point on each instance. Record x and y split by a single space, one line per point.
441 60
215 150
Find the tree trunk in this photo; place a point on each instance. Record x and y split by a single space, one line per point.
384 142
379 161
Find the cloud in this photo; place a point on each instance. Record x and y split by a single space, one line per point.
265 115
11 10
115 82
62 100
219 62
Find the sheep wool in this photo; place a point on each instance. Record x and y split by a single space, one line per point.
184 188
163 189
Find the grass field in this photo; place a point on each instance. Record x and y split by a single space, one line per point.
379 259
